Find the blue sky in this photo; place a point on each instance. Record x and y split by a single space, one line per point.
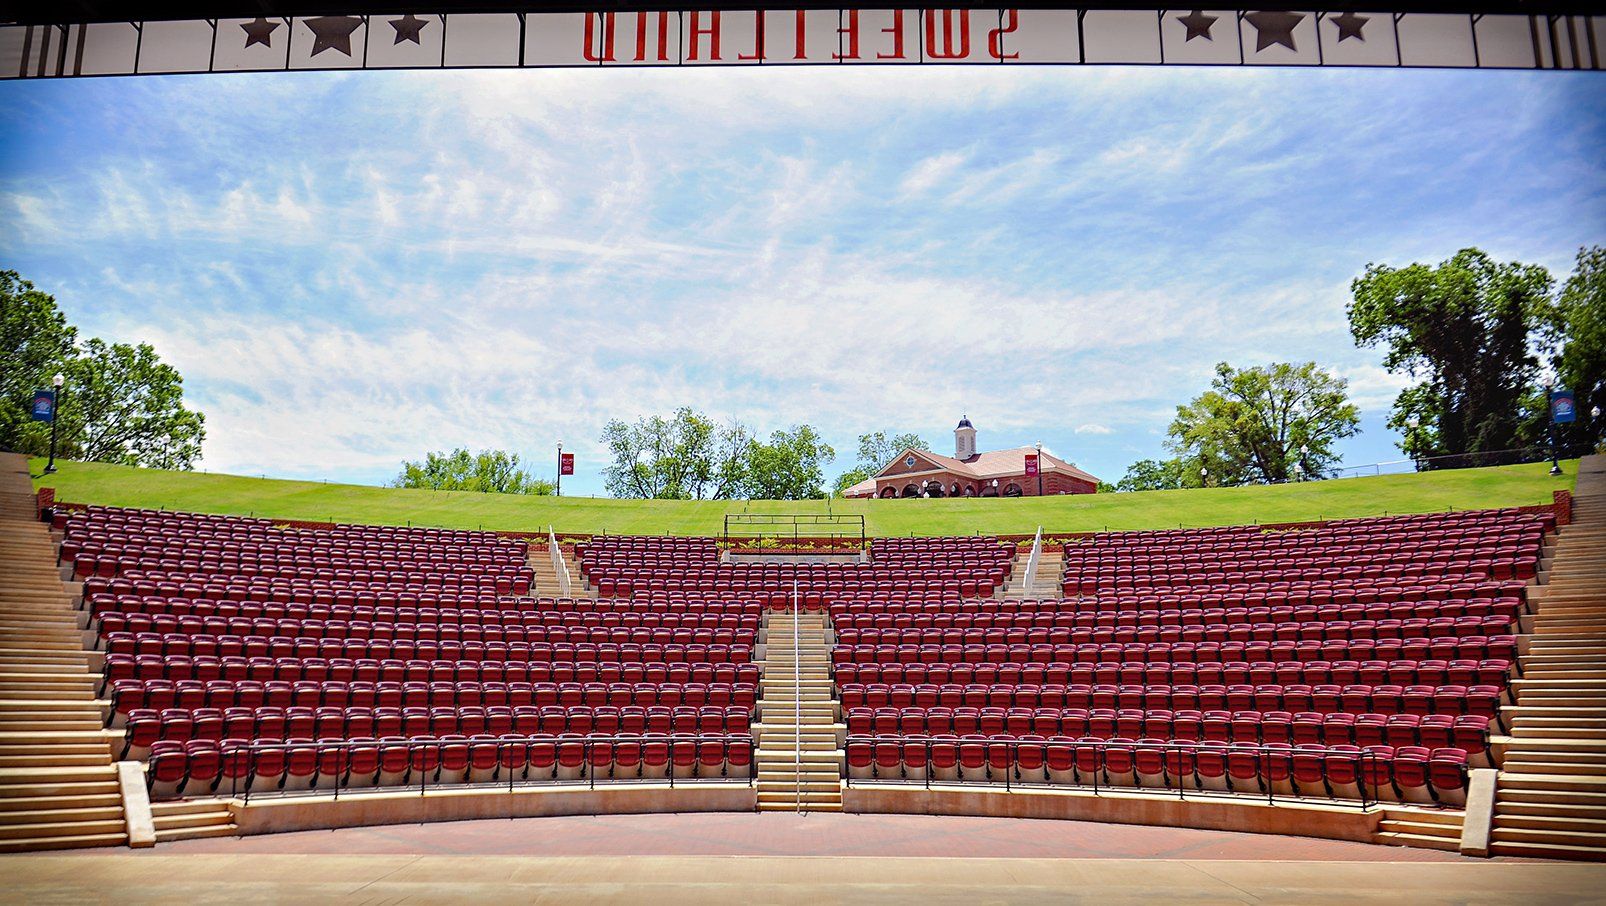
353 269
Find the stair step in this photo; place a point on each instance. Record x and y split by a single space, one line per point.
77 841
1420 841
196 833
9 831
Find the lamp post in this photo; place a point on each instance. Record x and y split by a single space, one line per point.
58 381
1204 477
1039 468
559 490
1550 423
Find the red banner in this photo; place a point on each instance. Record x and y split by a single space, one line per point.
1031 464
566 464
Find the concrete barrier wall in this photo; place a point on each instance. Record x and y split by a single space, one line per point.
294 813
1116 808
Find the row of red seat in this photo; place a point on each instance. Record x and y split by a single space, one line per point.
510 580
1467 732
129 696
1070 619
263 669
1355 698
1309 631
184 607
1423 648
307 764
114 624
383 649
914 679
1409 773
147 726
1272 595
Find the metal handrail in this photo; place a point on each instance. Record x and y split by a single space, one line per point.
1365 763
1031 561
559 566
231 751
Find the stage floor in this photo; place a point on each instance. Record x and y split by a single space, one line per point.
811 859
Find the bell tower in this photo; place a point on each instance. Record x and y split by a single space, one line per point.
964 439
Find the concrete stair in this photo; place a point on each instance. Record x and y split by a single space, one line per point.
1550 798
799 738
191 819
1050 571
58 787
1421 828
546 583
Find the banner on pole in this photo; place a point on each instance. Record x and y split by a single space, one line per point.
1563 410
566 464
1031 464
43 407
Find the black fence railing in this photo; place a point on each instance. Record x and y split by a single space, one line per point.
331 766
1245 769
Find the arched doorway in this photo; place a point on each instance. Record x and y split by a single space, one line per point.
954 491
911 490
889 492
934 489
989 491
970 490
1012 490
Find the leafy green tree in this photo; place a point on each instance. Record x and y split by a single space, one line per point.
875 451
1580 361
487 472
684 457
35 342
791 466
1468 329
1265 424
123 404
1152 475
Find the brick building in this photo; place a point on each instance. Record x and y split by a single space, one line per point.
1001 473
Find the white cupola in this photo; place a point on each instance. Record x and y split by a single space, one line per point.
964 440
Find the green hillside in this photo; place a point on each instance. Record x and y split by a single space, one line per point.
210 493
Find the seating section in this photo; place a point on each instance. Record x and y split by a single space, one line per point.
671 568
1364 658
272 657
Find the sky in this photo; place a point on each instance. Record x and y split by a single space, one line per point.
352 269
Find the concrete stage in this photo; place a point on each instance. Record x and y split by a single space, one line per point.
774 858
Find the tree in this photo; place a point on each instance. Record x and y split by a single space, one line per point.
488 472
122 404
1467 328
875 451
1265 424
791 466
684 457
35 342
1152 475
1580 362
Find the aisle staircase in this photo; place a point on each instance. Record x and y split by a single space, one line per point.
546 583
1050 570
1551 793
799 755
58 786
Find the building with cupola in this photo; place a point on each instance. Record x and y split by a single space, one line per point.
968 473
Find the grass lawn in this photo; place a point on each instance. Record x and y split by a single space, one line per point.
1388 494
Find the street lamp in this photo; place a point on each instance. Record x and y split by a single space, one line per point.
58 381
1039 468
1204 477
1550 424
558 491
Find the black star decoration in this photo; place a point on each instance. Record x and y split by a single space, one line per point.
407 28
332 32
1198 25
1273 27
259 31
1349 26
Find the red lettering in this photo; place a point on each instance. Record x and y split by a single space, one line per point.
896 31
948 51
604 53
758 39
641 37
995 38
852 33
697 31
802 52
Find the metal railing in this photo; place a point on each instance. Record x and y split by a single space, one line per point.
1029 581
1176 760
242 763
559 565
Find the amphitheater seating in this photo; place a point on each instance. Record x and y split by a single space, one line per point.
1363 658
276 657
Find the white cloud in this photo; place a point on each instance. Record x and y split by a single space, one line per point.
1091 428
